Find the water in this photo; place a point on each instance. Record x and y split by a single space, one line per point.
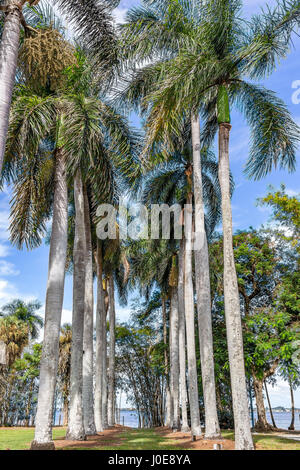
283 420
130 418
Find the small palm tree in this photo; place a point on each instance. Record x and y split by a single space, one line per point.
25 312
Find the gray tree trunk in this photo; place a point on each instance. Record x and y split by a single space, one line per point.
167 377
9 48
202 281
53 309
292 425
190 323
104 375
170 402
243 437
75 426
262 422
174 360
100 352
112 346
88 331
182 341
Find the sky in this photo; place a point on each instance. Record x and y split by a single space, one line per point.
23 274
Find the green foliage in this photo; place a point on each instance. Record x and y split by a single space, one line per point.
223 106
193 55
29 364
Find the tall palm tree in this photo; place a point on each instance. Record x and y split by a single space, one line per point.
101 353
112 346
159 34
88 330
25 312
73 141
76 429
182 339
169 183
93 27
9 48
208 72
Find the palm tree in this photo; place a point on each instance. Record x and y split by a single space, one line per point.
208 72
76 429
25 312
9 48
32 208
88 330
101 353
112 343
169 183
15 334
182 339
93 26
161 33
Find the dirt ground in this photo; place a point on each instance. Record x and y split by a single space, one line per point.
109 437
114 437
184 440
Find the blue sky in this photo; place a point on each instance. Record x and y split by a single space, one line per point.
24 274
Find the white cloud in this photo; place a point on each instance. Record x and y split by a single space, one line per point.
8 291
8 269
280 394
4 250
119 14
292 192
66 316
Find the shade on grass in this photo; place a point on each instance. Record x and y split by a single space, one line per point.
135 439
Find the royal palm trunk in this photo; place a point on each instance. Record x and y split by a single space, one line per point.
182 341
166 359
76 426
202 282
112 346
100 331
9 48
190 322
174 361
243 437
53 309
105 375
88 340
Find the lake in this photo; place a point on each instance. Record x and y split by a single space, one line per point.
283 420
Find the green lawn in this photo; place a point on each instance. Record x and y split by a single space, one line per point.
19 439
270 442
145 439
142 439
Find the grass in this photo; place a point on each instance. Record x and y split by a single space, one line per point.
269 442
142 439
19 439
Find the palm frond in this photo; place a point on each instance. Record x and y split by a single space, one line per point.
275 136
